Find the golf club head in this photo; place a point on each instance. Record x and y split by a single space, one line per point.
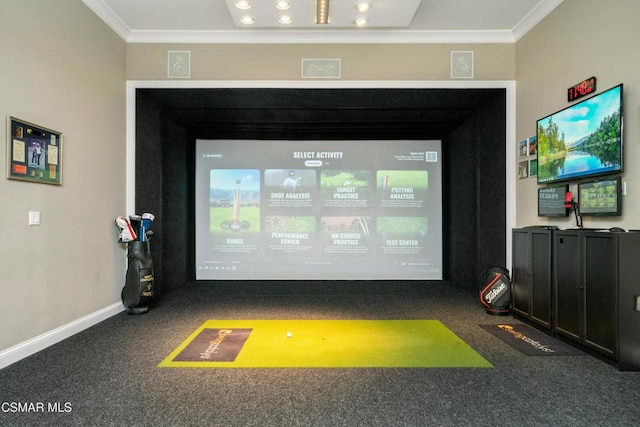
148 216
147 219
127 233
135 221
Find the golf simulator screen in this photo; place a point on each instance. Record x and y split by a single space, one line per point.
318 210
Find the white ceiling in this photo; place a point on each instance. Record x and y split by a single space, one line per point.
434 21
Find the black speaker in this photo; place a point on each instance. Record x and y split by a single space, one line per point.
495 291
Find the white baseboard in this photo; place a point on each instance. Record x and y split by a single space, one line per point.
34 345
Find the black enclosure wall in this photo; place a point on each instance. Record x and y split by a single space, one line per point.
476 190
470 122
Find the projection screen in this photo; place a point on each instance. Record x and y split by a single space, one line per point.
318 210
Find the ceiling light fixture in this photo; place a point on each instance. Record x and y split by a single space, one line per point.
247 20
283 4
243 4
363 6
360 21
322 11
285 19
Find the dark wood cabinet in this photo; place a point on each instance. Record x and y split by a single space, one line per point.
531 275
582 285
567 279
596 289
600 291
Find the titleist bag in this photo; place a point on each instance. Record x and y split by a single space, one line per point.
137 293
495 291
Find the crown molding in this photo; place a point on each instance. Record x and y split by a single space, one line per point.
534 18
105 13
326 36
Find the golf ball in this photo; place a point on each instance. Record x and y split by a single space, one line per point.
288 334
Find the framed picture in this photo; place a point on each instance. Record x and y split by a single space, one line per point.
34 153
523 169
533 167
523 148
533 146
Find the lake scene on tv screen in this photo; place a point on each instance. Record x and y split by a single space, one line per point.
582 140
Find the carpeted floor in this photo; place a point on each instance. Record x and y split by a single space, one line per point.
109 374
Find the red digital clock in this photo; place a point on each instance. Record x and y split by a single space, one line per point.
583 88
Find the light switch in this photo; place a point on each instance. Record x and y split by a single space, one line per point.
34 218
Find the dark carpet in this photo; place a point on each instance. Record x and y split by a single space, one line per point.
108 374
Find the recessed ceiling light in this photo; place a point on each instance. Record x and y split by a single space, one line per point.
363 6
322 11
247 20
285 19
243 4
360 21
283 4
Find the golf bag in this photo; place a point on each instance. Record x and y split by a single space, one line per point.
495 291
137 293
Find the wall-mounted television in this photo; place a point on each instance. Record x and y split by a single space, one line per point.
551 200
582 140
600 198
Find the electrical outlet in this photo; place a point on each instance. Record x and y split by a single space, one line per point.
637 302
34 218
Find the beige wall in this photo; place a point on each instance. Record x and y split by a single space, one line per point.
358 62
580 39
64 69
